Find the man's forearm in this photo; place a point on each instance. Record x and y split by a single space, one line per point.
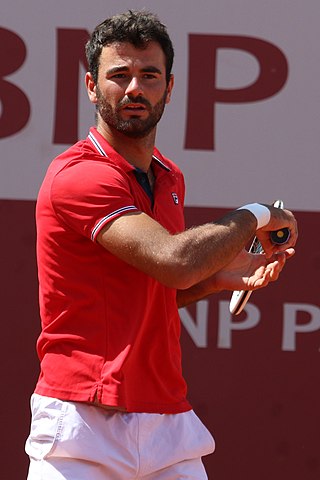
197 292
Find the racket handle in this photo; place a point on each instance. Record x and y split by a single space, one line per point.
279 237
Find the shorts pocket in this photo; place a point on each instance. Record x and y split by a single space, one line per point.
46 426
204 441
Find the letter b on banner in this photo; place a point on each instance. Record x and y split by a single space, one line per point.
15 107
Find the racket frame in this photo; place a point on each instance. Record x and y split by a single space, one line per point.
239 298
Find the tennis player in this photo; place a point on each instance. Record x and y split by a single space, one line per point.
115 262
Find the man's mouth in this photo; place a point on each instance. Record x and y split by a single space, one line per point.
134 107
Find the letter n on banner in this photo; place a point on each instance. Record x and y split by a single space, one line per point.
70 54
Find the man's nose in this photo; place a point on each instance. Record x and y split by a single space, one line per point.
134 87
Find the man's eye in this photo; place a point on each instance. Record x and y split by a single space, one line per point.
119 75
149 76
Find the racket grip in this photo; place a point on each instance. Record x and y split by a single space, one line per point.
279 237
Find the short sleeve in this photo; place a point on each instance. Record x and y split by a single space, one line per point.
87 195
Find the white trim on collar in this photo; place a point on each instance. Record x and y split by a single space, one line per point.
100 150
96 144
161 163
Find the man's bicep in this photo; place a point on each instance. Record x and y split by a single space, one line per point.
144 244
135 238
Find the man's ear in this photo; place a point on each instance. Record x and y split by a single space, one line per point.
91 87
169 88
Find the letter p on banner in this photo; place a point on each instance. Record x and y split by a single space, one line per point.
226 326
291 326
203 93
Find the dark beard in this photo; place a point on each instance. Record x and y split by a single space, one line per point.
135 127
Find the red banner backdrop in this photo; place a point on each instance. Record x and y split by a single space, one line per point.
253 379
260 396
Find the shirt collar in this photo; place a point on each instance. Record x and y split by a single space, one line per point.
104 148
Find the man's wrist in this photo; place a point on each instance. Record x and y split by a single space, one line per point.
261 213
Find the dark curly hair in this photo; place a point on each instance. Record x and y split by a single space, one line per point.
135 27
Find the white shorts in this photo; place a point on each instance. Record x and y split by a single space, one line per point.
77 441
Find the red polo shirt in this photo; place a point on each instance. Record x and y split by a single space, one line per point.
109 331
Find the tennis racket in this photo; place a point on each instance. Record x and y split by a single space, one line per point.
240 297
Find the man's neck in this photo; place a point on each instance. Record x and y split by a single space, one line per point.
137 151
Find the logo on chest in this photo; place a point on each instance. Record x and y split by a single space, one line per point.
175 198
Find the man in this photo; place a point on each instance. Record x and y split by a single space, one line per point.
115 262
